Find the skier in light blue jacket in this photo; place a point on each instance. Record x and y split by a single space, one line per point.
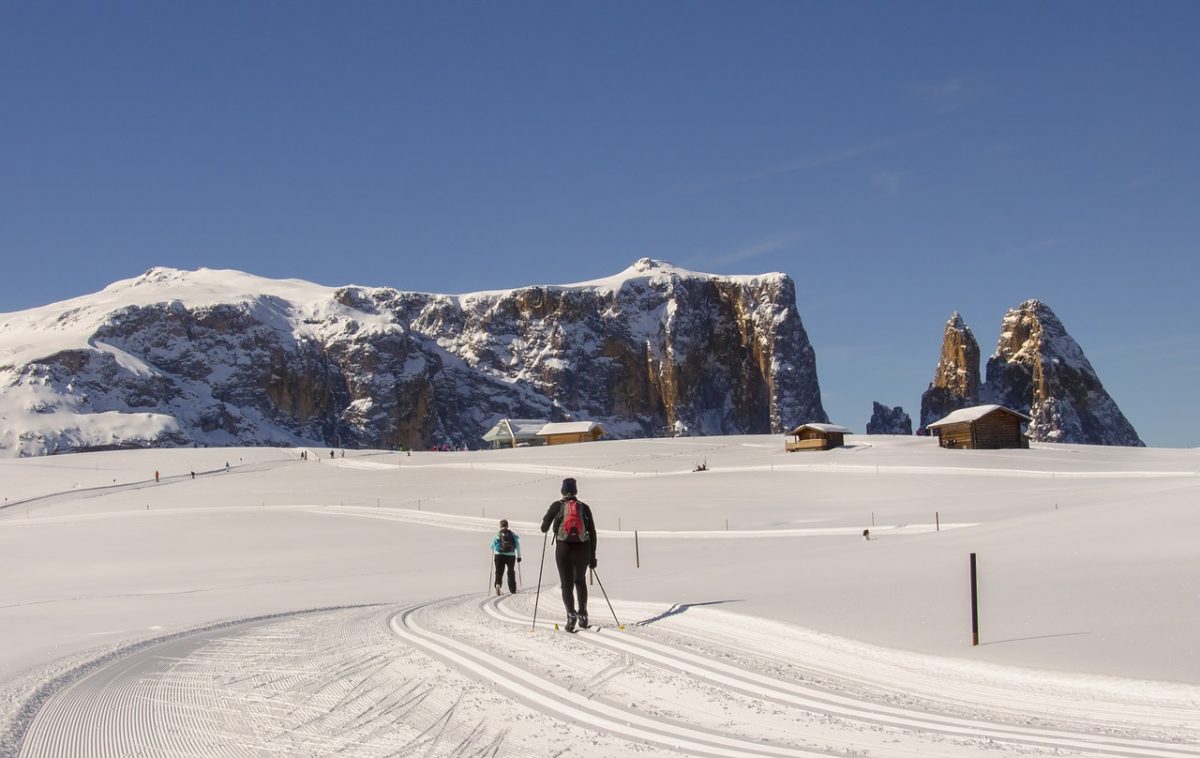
506 547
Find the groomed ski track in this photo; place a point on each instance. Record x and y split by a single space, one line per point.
471 676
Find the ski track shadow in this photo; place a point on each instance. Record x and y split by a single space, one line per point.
1039 637
677 609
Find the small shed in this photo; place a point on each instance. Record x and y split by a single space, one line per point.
982 427
817 437
511 432
567 432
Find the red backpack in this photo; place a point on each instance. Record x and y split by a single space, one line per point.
572 528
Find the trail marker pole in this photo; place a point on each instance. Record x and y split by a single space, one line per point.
937 520
974 604
637 553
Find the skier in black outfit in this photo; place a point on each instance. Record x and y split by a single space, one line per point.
574 552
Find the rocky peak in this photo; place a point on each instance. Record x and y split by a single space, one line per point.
1040 370
956 379
886 420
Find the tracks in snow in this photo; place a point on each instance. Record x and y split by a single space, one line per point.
466 676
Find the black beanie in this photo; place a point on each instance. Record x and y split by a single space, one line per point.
568 487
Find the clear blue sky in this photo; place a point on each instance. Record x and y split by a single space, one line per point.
898 160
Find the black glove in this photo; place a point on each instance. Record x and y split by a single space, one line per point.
518 559
592 564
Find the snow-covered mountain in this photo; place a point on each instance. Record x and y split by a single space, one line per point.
222 357
1038 369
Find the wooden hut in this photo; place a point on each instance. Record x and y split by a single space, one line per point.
817 437
567 432
511 432
982 427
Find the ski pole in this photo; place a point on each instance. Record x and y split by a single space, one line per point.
610 608
491 567
538 596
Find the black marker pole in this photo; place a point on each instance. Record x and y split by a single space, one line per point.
974 604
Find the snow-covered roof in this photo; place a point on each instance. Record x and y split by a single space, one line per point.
974 413
569 427
521 428
827 428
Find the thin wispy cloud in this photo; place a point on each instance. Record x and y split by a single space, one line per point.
1185 347
750 251
799 165
944 96
887 181
1033 249
1147 180
764 247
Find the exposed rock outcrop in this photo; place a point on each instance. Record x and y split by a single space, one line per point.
956 379
1040 370
1037 369
222 358
886 420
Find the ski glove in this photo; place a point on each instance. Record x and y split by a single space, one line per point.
592 564
518 559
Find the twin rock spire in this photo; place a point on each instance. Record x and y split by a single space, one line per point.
1037 369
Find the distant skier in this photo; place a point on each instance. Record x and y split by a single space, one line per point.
156 477
506 549
866 535
574 552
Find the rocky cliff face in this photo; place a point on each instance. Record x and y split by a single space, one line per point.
1037 369
1040 370
886 420
956 380
223 358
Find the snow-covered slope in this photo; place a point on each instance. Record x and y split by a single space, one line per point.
758 621
210 357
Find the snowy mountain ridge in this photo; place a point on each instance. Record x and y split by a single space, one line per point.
220 357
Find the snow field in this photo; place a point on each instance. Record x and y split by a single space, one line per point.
782 633
468 676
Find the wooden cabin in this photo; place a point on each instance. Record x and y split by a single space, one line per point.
982 427
567 432
514 432
817 437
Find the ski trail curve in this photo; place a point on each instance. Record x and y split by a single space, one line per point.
563 702
754 684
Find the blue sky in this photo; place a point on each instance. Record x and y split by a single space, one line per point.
898 160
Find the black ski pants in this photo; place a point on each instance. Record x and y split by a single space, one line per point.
572 559
506 562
